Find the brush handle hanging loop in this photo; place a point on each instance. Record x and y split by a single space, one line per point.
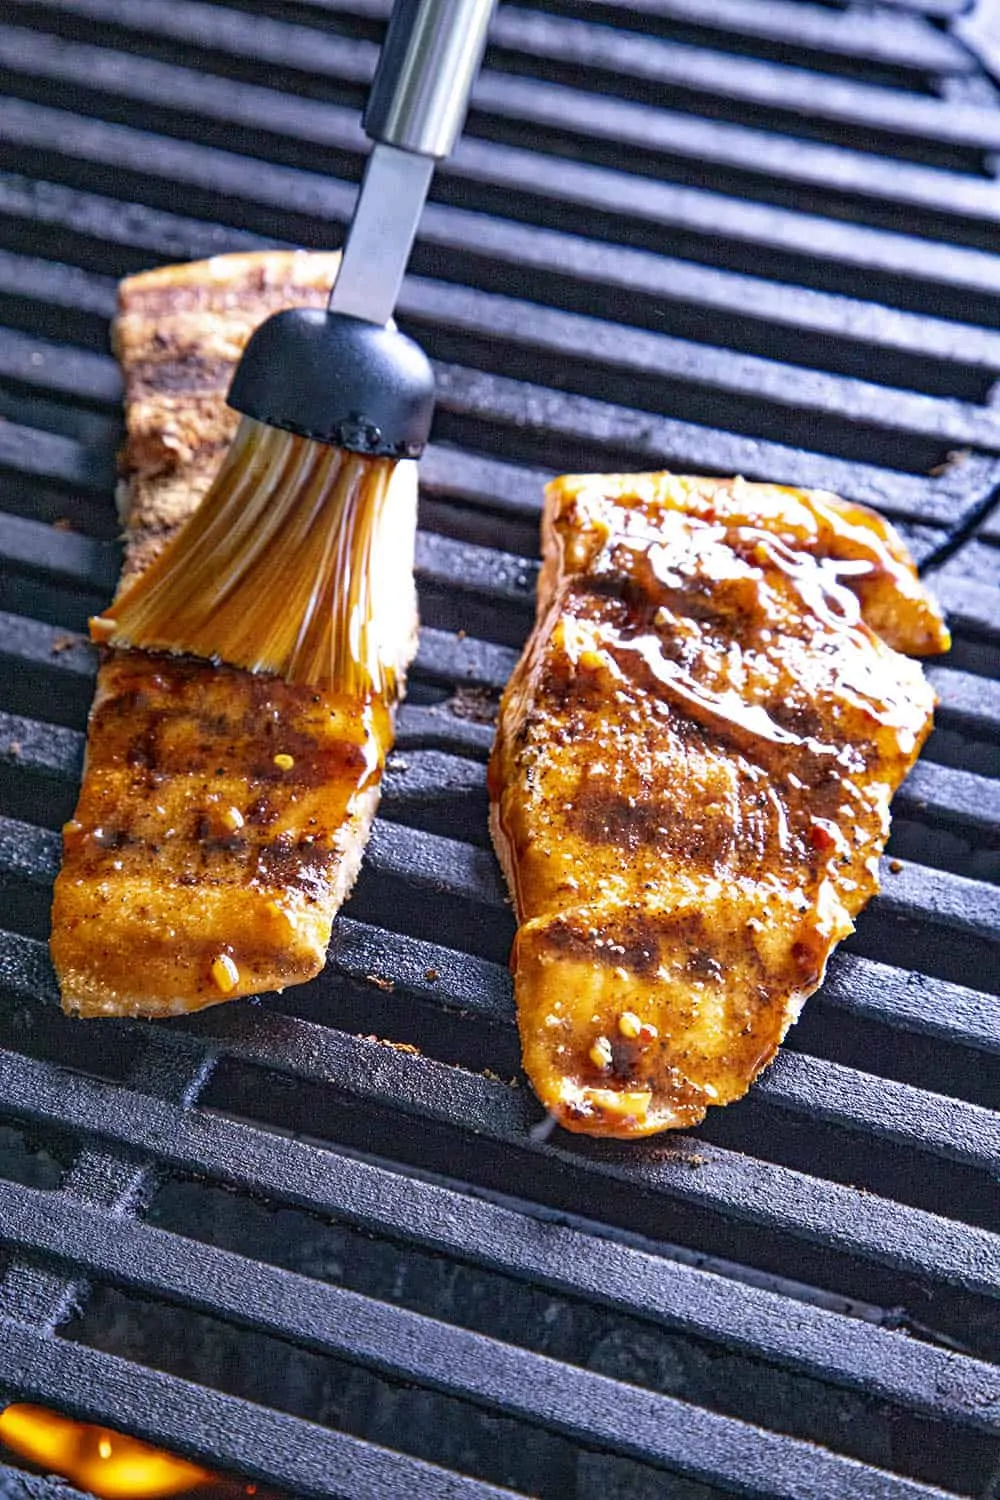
429 59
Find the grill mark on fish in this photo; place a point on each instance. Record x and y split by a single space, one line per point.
177 374
630 824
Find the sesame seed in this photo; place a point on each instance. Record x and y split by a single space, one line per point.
284 762
233 819
225 973
600 1053
629 1024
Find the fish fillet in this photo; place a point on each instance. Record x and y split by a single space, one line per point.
691 781
223 815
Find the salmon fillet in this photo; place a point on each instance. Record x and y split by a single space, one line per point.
691 780
222 815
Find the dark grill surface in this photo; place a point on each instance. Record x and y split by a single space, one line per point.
317 1241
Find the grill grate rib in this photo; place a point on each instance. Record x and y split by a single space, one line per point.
809 292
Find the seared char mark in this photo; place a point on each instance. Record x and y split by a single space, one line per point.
631 822
634 944
178 373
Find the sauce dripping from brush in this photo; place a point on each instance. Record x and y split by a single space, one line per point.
274 570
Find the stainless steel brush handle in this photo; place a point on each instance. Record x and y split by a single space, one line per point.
416 109
430 57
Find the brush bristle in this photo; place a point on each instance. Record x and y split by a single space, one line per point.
273 571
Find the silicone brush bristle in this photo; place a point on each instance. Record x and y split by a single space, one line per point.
273 571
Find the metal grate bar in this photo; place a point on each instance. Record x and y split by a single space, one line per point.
942 8
586 1407
782 89
503 169
15 1485
909 1001
223 1431
971 606
487 162
797 25
773 1197
524 104
44 1298
33 455
970 703
614 348
532 35
960 799
506 329
876 37
553 421
907 45
612 434
603 271
26 972
618 1275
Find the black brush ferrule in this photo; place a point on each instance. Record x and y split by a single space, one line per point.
337 380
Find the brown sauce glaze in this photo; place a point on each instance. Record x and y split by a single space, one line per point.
699 744
233 853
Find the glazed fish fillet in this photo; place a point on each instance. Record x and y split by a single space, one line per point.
691 780
222 815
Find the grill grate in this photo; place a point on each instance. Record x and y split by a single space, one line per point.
729 238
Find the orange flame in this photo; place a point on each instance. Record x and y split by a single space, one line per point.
105 1462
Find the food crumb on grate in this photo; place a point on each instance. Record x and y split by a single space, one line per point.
479 705
380 983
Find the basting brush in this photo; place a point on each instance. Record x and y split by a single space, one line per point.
273 572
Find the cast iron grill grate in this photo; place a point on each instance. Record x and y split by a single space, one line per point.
729 238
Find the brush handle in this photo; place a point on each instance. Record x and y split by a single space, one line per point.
430 57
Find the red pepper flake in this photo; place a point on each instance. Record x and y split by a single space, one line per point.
821 836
